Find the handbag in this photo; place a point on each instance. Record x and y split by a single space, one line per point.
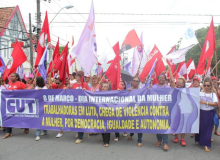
215 119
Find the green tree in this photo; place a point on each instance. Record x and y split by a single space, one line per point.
195 52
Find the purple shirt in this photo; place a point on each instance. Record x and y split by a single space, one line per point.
163 86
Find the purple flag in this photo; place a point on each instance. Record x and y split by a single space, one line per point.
2 65
86 49
20 71
100 70
150 75
42 66
127 66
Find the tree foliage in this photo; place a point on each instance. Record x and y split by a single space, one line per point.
195 52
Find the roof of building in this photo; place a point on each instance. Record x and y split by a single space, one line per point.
5 15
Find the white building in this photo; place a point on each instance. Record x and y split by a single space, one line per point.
13 27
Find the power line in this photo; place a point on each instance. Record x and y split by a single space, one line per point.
146 14
58 37
144 22
66 12
53 11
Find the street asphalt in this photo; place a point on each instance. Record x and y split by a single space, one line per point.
24 147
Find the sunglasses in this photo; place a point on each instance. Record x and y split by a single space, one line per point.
57 83
206 85
135 81
179 82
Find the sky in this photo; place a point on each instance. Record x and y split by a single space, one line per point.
141 15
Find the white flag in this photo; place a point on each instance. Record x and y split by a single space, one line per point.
178 56
137 56
188 38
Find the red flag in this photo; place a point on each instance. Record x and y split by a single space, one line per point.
114 71
208 65
191 69
17 58
181 70
62 64
72 40
55 57
131 40
154 54
43 38
72 61
172 65
208 49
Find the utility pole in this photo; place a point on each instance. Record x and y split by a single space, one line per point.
31 46
38 19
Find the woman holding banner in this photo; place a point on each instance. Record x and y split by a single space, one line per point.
135 85
58 85
94 84
80 84
162 84
208 103
40 84
106 136
122 86
195 84
15 84
181 83
94 87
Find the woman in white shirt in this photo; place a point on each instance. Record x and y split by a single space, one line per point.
208 103
40 84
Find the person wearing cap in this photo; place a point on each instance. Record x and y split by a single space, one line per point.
87 80
215 85
80 84
196 82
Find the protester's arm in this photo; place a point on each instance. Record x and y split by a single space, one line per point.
213 104
172 83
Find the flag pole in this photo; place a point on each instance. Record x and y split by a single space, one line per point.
215 66
216 62
97 67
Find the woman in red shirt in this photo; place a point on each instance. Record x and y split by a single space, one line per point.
80 84
15 84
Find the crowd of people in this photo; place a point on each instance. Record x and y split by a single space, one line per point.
209 103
